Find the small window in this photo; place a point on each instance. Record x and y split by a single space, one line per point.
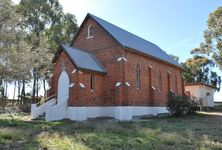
89 33
137 76
160 81
208 94
176 89
92 80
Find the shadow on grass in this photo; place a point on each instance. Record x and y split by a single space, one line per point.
158 133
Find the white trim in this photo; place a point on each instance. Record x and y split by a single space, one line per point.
122 58
89 37
82 85
72 84
127 83
119 59
169 72
121 113
150 66
80 72
153 88
118 83
74 71
88 32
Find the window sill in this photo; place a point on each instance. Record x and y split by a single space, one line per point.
89 37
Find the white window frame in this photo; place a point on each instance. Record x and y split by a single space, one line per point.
89 34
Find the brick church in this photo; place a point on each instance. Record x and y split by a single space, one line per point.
108 71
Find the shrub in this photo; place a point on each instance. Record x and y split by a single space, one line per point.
181 105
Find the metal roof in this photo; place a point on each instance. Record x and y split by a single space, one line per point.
83 60
133 41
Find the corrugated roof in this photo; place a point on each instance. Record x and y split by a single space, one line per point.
83 60
133 41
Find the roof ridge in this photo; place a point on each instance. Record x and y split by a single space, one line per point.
124 30
76 48
132 41
83 59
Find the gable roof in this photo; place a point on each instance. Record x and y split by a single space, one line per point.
83 60
135 42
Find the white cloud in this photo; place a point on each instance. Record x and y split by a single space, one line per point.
181 43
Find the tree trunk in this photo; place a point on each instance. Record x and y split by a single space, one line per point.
14 91
44 88
34 86
37 89
19 86
23 92
3 94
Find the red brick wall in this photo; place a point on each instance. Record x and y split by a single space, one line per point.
141 96
107 51
78 96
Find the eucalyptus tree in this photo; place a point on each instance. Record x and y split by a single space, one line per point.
199 69
13 48
46 21
212 46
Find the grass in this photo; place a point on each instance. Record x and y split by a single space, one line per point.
201 131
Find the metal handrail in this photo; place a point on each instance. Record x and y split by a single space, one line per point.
45 100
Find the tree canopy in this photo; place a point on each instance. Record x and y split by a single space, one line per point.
199 69
212 46
30 33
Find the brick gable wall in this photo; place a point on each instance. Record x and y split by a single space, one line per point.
107 50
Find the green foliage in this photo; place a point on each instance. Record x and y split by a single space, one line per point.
176 58
212 46
62 31
199 69
181 105
46 18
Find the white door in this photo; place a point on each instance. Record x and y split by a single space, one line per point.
63 87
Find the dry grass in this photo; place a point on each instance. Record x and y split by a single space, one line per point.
202 131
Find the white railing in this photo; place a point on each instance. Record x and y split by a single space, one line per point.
56 112
40 108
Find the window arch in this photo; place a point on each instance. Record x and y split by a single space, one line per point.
137 76
176 89
92 82
160 81
89 32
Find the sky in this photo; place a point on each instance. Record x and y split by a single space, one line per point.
176 26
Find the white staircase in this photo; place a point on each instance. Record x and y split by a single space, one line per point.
56 112
51 108
39 109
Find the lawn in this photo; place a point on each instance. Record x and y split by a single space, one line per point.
201 131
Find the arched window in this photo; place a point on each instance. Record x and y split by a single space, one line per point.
89 33
176 90
137 76
160 81
92 82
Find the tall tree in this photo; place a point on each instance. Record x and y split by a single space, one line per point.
62 31
45 22
199 69
13 48
212 46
